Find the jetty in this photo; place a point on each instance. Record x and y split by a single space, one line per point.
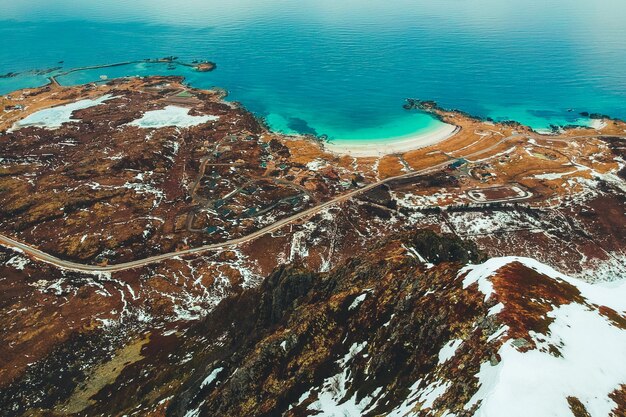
204 66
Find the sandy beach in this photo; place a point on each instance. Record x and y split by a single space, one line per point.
391 145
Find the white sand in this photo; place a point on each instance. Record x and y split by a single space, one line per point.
392 145
171 116
54 117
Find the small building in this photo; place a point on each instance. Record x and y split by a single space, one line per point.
224 212
458 163
249 190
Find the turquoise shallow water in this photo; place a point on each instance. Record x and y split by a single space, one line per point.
343 68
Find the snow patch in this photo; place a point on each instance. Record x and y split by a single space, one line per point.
171 116
18 262
316 165
536 383
449 350
597 124
556 176
357 301
587 364
424 397
54 117
212 376
331 401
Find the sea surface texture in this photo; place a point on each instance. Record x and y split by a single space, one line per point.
343 68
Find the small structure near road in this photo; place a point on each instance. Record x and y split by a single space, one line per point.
457 164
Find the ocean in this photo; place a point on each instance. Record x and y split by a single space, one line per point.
344 68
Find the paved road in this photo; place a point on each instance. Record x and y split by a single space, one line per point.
45 257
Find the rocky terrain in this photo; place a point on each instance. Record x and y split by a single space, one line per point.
164 253
101 189
405 330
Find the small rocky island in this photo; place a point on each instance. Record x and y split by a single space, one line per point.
205 66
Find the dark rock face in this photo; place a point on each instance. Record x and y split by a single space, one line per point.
55 378
279 292
436 248
275 341
300 323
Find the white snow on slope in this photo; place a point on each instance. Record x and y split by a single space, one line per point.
18 262
597 124
449 350
535 383
171 116
332 400
480 274
357 301
212 376
425 396
595 293
54 117
556 176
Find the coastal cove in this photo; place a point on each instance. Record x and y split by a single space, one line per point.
417 127
345 74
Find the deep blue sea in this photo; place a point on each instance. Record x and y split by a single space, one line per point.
344 67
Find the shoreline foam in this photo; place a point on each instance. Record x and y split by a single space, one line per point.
388 146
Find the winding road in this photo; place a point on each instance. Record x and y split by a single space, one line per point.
45 257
